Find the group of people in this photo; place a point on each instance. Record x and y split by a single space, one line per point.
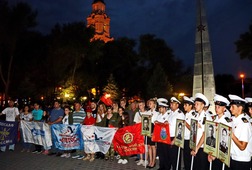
163 112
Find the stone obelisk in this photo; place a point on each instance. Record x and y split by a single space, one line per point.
203 79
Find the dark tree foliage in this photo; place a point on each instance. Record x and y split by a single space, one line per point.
244 45
15 21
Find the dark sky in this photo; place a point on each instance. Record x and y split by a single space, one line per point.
172 20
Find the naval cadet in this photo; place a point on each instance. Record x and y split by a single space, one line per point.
175 114
190 113
200 160
241 134
162 148
221 104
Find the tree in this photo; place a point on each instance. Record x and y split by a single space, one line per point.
244 44
112 89
14 21
158 84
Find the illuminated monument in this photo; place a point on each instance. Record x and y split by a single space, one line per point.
100 21
203 79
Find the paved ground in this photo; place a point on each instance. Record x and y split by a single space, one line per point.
17 160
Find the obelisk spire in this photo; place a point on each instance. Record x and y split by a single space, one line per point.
203 79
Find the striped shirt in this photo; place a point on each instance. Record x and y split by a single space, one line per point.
78 116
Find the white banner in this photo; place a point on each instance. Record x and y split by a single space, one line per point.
36 132
97 139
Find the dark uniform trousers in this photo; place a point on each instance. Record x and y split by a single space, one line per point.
168 155
164 156
187 155
173 152
217 165
237 165
200 161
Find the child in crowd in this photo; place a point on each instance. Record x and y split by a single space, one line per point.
67 120
123 123
89 120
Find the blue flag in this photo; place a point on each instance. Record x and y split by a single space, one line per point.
67 137
8 132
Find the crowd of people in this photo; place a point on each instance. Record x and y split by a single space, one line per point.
161 111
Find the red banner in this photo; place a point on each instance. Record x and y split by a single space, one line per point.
129 141
161 133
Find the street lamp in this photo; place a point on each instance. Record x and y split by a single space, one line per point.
242 76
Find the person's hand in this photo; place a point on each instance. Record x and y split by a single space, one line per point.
193 153
49 123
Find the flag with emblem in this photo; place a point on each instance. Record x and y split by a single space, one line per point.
129 141
8 132
97 139
36 132
161 133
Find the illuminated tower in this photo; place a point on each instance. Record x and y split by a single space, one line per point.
203 79
100 21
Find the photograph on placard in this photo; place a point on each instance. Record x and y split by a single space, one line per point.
211 138
180 129
193 134
225 133
146 125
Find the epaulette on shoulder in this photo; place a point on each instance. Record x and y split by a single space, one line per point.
228 119
210 112
179 111
193 113
244 120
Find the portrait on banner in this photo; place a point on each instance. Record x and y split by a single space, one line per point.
146 125
211 138
180 129
193 134
224 142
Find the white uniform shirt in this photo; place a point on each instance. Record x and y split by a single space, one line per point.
11 113
177 114
223 120
242 130
162 117
201 125
138 116
188 117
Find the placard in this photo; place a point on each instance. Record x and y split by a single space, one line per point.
146 125
211 138
180 131
193 134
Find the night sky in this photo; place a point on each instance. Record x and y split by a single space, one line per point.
172 20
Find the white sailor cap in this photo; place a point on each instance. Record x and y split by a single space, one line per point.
188 100
220 100
249 101
162 102
201 98
174 99
236 99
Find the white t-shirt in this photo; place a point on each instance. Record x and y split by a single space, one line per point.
25 117
65 120
138 116
11 113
